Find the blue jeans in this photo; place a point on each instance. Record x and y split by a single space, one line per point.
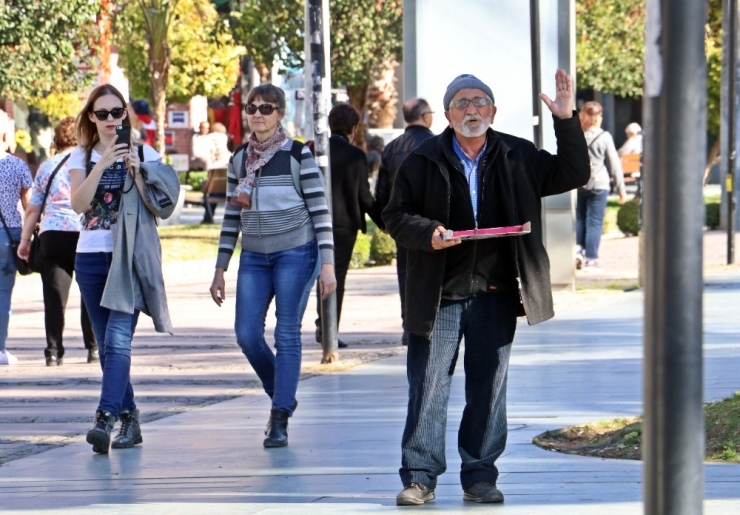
288 276
488 323
590 209
7 279
114 331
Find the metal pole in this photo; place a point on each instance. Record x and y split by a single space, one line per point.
728 128
534 37
675 119
317 24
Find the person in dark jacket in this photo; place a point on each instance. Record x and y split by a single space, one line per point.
471 176
350 197
418 115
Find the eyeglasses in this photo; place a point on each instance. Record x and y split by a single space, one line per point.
102 114
427 112
264 109
465 102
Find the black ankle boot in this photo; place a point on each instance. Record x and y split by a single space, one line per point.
277 432
99 435
130 432
269 421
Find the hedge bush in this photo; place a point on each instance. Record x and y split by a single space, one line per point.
361 251
194 179
627 218
711 216
382 248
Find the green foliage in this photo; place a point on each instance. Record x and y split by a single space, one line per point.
44 45
365 35
57 105
714 65
627 218
203 58
711 217
270 30
382 248
610 54
610 45
193 179
360 252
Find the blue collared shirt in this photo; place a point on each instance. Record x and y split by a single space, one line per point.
470 168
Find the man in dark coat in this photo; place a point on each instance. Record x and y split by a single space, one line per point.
468 177
350 197
418 116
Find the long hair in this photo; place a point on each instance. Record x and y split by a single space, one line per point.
589 113
87 131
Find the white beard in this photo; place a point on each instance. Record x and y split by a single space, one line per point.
470 132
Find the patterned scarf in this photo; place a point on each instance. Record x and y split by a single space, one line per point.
259 154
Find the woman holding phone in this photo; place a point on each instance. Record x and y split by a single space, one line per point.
105 174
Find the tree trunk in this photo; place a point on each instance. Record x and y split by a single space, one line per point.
358 98
158 16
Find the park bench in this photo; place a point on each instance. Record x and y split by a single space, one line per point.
630 167
214 191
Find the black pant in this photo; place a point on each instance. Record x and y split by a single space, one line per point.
58 249
344 243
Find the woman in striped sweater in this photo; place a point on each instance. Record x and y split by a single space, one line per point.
277 202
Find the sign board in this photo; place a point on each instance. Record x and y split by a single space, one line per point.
169 139
178 120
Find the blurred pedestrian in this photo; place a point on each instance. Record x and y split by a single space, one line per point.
592 198
15 185
418 115
276 200
59 230
633 143
220 147
119 271
350 197
202 148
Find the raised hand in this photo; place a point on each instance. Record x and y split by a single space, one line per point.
562 106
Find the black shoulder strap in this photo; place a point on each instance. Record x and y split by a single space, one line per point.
48 185
296 149
141 153
597 137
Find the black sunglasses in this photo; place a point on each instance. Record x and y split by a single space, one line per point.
102 114
264 109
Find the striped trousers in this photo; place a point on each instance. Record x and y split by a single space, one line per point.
488 323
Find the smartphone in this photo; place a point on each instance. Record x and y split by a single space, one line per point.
123 133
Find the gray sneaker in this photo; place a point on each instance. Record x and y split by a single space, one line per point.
414 494
483 492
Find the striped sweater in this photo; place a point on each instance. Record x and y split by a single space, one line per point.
279 218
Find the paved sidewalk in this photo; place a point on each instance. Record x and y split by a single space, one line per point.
344 451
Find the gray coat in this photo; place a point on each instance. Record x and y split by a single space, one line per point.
604 160
135 278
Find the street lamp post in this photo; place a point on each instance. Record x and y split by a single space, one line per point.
318 94
675 118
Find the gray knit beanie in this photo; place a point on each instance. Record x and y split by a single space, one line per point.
465 81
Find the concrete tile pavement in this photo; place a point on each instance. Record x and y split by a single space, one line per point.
344 454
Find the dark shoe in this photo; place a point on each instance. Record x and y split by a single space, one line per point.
414 494
99 435
51 361
340 343
130 432
405 338
93 356
277 429
483 492
269 421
